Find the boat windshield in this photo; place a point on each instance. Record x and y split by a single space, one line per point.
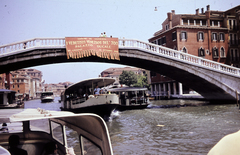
47 94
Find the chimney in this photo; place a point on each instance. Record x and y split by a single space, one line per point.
173 12
208 7
202 10
170 19
197 11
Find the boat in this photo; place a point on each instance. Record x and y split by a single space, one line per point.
38 129
80 97
131 98
8 100
47 96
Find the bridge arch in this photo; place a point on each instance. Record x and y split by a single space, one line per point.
214 81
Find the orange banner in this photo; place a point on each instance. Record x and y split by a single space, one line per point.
79 47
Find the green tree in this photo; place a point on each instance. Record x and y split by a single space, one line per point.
128 78
142 81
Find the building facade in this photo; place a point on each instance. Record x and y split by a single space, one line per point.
116 72
27 82
212 35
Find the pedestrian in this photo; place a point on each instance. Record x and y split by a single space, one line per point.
104 35
101 35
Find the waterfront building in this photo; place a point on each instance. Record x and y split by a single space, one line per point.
116 72
212 35
2 81
57 89
27 82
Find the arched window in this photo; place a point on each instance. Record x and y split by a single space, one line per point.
215 52
222 53
184 49
201 52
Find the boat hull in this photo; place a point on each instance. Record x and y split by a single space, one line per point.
103 110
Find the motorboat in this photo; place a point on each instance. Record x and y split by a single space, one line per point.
131 97
71 133
80 97
47 96
8 100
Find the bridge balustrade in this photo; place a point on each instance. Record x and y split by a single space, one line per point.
45 43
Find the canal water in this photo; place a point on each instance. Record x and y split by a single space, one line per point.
177 130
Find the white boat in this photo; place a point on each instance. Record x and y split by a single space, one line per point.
47 96
69 133
80 97
131 98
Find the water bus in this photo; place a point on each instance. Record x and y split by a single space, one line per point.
80 97
8 100
40 132
47 96
131 98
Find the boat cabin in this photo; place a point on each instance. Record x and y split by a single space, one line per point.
90 96
131 97
70 133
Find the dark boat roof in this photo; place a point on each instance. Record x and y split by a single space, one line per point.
47 92
101 82
6 91
124 89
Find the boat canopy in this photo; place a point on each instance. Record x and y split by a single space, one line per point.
47 92
6 91
92 121
125 89
100 82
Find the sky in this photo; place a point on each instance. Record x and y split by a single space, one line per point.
132 19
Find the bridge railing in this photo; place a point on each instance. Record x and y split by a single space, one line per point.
178 55
30 44
44 43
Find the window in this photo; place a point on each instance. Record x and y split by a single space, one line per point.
222 52
234 55
233 39
160 41
89 147
12 86
200 36
174 36
167 27
215 52
214 36
201 52
57 131
183 35
184 50
222 36
18 86
232 24
164 40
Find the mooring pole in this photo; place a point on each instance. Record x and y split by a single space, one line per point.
237 99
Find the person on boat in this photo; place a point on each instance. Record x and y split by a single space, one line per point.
51 149
14 141
97 90
4 128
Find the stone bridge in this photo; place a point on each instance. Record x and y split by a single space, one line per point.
214 81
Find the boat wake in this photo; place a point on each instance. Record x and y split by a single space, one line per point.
115 114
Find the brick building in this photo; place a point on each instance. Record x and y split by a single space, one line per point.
27 82
213 35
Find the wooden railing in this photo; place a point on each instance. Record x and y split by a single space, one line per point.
46 43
